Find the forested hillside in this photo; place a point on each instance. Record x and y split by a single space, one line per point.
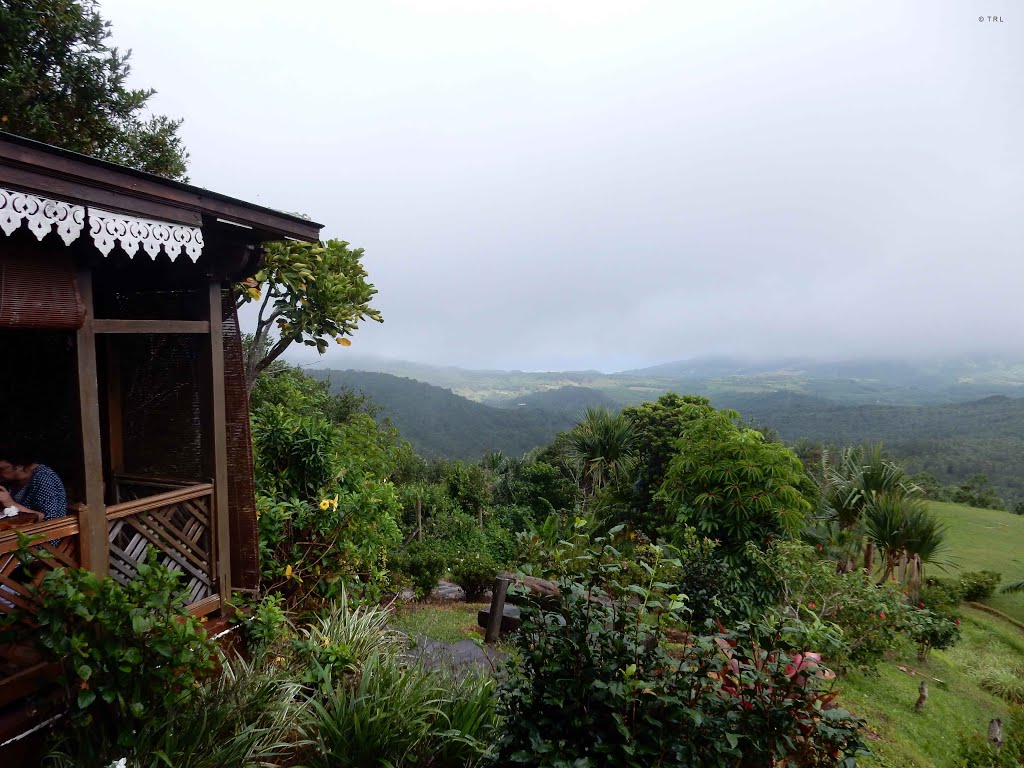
439 423
953 441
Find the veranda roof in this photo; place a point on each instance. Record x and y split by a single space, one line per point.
48 189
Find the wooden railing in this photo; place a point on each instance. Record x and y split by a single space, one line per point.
178 525
55 545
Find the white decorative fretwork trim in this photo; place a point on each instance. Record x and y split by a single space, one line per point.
41 214
150 235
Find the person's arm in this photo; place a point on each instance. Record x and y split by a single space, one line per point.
6 500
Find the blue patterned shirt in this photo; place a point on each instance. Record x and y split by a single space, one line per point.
44 492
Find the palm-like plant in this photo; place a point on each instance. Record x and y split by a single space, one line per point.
907 534
852 482
603 446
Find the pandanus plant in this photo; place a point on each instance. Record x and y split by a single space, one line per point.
908 536
852 482
603 445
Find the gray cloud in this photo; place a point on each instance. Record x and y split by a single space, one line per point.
611 184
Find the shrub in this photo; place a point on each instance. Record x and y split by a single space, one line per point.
594 687
979 585
423 564
452 533
128 654
267 627
942 596
475 574
244 717
932 630
871 617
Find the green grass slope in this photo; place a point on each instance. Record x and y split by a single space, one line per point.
980 539
899 737
986 539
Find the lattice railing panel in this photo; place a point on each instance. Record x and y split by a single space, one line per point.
17 580
177 525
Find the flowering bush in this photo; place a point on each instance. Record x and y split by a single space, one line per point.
326 509
868 617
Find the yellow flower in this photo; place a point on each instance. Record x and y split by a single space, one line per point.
288 572
325 504
254 292
334 501
343 341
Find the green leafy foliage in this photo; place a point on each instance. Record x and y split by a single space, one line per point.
475 573
63 84
594 686
816 600
733 487
423 564
128 654
327 512
930 629
313 293
658 426
245 716
979 585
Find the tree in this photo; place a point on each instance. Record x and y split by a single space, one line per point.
732 486
603 446
61 83
658 427
308 292
906 533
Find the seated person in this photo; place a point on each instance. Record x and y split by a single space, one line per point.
34 489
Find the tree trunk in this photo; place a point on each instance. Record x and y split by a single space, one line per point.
869 557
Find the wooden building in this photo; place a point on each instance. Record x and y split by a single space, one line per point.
122 370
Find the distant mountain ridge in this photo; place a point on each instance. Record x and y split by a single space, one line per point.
864 381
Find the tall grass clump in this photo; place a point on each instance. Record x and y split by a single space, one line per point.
395 712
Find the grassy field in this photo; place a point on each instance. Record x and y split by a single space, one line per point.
903 738
980 539
987 539
446 622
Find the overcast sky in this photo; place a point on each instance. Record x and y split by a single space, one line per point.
588 184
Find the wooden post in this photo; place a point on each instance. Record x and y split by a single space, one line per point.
94 541
220 445
419 519
497 607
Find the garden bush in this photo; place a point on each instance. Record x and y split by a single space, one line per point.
128 654
423 565
244 717
453 532
595 687
871 617
475 574
979 585
942 596
931 629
